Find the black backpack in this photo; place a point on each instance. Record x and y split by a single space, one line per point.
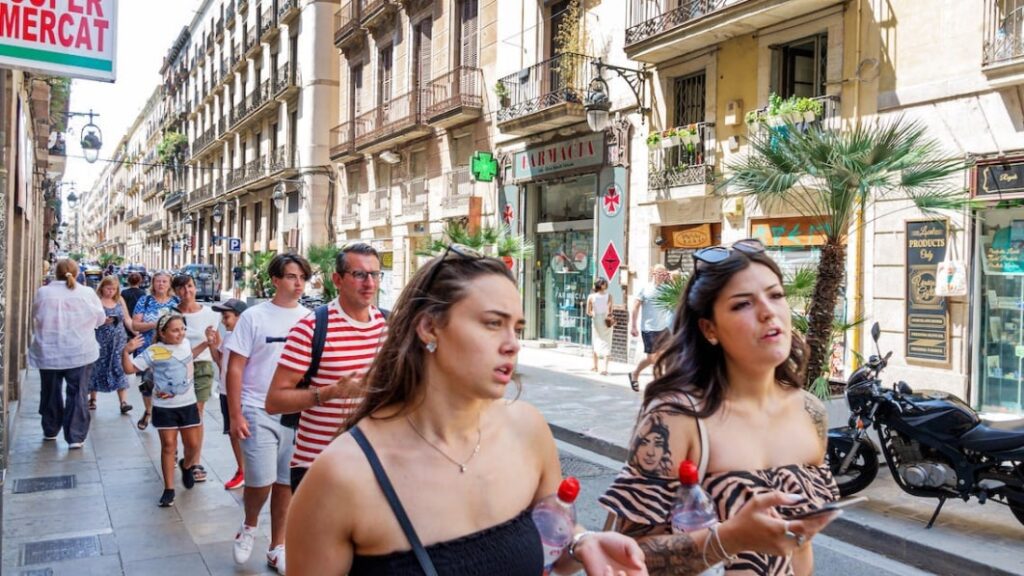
319 338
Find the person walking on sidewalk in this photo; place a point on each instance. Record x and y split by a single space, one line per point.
229 311
198 320
255 346
171 359
132 294
436 417
728 394
147 311
602 323
107 374
655 322
237 279
355 331
63 349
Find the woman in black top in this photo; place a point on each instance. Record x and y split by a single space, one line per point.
466 465
132 294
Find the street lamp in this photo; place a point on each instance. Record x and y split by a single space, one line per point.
597 104
92 137
187 220
281 194
218 213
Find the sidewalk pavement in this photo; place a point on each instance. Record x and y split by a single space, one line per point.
598 412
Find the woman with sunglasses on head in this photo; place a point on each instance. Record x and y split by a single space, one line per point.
465 465
148 309
728 394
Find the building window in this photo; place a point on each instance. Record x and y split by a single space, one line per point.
468 42
257 220
1004 31
384 76
690 98
356 92
798 68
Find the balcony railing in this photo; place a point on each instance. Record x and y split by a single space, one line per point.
229 16
350 215
234 178
371 12
828 118
203 140
147 219
342 139
380 209
251 40
346 21
282 159
200 194
255 169
285 9
388 120
283 78
243 6
1004 31
267 21
563 78
459 189
414 197
454 92
683 163
647 19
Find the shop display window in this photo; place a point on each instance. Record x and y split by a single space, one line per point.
1000 258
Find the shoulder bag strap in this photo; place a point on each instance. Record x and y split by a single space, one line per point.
396 505
319 338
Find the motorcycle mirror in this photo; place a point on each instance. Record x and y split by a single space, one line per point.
888 355
876 331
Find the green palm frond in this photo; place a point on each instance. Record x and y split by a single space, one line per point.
322 257
670 294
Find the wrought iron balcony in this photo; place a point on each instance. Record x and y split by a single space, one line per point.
268 22
255 169
284 78
229 16
147 219
202 141
415 199
657 30
380 207
286 10
200 194
346 25
828 118
243 6
234 178
343 144
544 96
394 122
460 187
1004 32
455 98
349 218
252 42
282 159
219 28
685 162
374 13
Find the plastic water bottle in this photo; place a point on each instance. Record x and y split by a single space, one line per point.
694 509
555 518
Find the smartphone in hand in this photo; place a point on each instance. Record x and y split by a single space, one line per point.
827 508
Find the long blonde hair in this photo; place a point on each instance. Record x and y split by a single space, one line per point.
111 279
68 270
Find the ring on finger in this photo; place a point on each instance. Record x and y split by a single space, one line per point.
800 540
787 532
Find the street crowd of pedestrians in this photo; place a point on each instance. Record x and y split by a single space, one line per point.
383 445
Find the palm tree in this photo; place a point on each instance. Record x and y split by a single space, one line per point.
830 176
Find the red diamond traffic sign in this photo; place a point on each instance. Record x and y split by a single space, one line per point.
610 261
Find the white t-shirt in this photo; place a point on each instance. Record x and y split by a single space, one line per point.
260 335
173 373
195 329
225 355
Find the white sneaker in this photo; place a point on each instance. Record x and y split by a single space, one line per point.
275 559
243 543
75 445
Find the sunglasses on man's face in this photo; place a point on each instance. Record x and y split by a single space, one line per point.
454 250
716 254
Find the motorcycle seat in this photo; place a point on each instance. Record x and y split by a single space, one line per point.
992 436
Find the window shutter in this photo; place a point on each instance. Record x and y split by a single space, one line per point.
385 75
469 49
357 90
425 33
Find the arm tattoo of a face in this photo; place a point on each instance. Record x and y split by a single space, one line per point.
650 451
671 554
819 416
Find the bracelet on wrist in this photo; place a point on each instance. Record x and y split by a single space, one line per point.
316 396
575 542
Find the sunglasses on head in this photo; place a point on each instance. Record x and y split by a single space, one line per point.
716 254
459 251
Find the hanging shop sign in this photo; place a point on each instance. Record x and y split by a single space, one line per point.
557 157
790 232
999 180
927 320
698 236
610 261
74 38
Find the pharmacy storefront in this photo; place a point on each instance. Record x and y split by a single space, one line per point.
570 203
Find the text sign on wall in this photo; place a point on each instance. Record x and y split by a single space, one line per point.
559 157
794 232
998 180
927 320
60 37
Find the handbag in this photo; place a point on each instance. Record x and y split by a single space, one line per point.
609 320
951 274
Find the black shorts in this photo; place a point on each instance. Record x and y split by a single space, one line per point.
651 340
174 418
297 474
225 415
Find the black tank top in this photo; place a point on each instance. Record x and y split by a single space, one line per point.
512 548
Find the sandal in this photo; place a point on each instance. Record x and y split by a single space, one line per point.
634 384
125 407
199 473
144 421
92 403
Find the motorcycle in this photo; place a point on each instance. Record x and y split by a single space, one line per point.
934 444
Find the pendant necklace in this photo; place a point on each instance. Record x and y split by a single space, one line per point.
461 465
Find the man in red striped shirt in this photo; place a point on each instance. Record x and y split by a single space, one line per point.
355 331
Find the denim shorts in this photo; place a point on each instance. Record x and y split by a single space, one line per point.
268 449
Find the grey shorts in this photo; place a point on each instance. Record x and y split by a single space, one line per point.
267 450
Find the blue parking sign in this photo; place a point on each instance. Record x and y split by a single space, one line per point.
234 245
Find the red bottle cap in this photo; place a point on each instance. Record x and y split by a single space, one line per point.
687 473
569 490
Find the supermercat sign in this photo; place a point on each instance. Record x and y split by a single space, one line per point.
559 157
60 37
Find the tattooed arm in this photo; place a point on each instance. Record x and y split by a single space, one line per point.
670 554
819 417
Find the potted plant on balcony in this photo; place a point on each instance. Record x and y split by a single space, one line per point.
670 138
753 118
501 92
654 140
809 109
773 114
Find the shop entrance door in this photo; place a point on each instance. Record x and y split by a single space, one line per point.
564 281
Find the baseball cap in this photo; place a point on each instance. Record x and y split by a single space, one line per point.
233 305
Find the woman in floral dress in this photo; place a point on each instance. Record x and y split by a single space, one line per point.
107 373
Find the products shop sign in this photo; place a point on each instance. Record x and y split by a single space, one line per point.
927 318
74 38
559 157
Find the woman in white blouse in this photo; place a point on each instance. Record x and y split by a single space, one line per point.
65 316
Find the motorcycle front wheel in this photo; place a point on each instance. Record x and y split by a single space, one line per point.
863 468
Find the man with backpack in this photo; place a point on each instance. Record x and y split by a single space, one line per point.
321 368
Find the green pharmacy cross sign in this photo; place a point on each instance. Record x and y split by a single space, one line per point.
483 166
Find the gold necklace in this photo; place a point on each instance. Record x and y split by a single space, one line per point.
461 465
